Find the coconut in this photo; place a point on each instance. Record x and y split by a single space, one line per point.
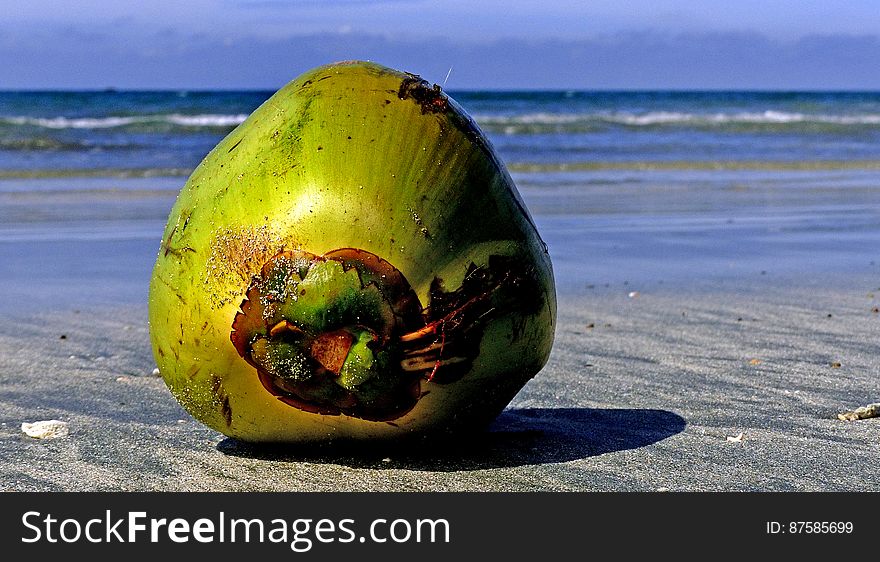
351 262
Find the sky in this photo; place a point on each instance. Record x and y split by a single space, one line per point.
487 44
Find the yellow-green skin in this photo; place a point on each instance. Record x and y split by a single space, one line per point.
337 159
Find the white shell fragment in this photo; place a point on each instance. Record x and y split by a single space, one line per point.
862 413
46 429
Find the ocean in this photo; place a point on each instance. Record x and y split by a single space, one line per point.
628 188
156 133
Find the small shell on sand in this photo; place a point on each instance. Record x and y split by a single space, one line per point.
862 413
46 429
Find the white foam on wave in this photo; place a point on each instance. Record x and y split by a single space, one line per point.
206 120
72 123
651 118
203 120
513 123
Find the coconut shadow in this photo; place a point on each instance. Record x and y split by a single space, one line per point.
518 437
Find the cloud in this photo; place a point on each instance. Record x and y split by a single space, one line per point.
128 58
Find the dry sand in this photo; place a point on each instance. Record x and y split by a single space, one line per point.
713 386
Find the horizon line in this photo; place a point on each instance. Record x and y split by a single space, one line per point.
684 90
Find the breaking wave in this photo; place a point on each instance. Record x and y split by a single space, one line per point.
174 119
584 122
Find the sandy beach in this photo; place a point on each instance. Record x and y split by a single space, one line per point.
707 341
710 390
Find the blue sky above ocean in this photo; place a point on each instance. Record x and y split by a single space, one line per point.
567 44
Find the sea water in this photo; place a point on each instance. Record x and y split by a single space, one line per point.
628 188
